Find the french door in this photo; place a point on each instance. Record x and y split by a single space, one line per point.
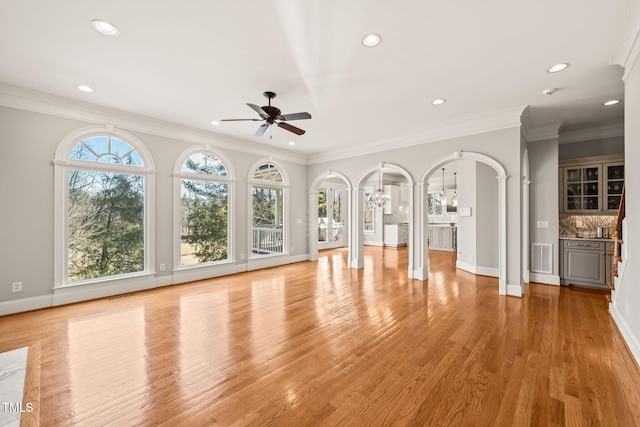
331 218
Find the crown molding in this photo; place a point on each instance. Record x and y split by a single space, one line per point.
493 122
40 102
627 49
587 133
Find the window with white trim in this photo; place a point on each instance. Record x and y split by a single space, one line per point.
204 183
268 210
103 181
367 212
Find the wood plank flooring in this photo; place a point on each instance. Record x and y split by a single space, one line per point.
321 344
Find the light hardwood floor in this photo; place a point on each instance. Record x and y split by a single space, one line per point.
321 344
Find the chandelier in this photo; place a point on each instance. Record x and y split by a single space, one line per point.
379 197
454 199
443 201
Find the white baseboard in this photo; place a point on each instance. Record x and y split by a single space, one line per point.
371 243
514 290
627 333
547 279
256 264
420 274
478 269
191 275
25 304
76 295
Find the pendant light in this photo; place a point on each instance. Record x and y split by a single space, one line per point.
454 199
379 197
443 200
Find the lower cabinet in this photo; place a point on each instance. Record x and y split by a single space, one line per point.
443 238
396 234
586 263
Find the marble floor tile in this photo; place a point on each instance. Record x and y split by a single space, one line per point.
13 366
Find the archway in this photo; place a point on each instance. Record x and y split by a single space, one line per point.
327 177
356 259
422 272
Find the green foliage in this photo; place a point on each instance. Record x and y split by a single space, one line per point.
106 224
205 219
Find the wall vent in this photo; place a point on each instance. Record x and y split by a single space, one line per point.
541 258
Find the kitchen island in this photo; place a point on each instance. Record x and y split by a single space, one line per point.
443 237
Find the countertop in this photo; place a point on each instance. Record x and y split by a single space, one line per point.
436 224
602 239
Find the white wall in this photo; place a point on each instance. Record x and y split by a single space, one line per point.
467 224
626 299
544 204
486 220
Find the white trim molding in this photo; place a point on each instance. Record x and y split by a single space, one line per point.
627 50
546 279
627 333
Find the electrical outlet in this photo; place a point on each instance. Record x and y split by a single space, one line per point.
16 287
162 267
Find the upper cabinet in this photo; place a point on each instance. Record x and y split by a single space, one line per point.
591 186
398 198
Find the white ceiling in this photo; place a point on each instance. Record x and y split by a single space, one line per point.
196 61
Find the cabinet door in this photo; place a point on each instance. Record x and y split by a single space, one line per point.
613 183
436 237
582 189
447 238
584 266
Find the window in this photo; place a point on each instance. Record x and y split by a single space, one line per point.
368 210
434 204
204 209
103 180
268 208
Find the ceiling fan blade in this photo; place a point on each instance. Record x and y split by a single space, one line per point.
295 116
262 129
241 120
290 128
258 110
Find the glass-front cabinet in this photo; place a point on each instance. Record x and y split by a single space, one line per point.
591 187
614 175
582 188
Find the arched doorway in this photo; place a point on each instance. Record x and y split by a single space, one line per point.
422 270
336 226
356 259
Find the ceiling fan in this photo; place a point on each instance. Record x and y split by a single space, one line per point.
271 115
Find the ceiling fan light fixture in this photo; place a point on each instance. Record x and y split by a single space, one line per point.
438 101
611 102
371 40
558 67
106 28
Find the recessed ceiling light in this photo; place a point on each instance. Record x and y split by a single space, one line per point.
105 28
85 88
371 40
558 67
438 101
292 143
611 102
215 123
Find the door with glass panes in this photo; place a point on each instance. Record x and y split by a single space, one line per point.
331 217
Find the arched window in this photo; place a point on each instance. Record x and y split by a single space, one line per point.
103 179
202 183
268 204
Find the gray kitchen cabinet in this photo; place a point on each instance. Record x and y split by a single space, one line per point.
584 263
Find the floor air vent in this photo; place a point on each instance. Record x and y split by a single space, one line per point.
117 297
541 258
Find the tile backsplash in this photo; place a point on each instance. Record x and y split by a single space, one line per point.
580 225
